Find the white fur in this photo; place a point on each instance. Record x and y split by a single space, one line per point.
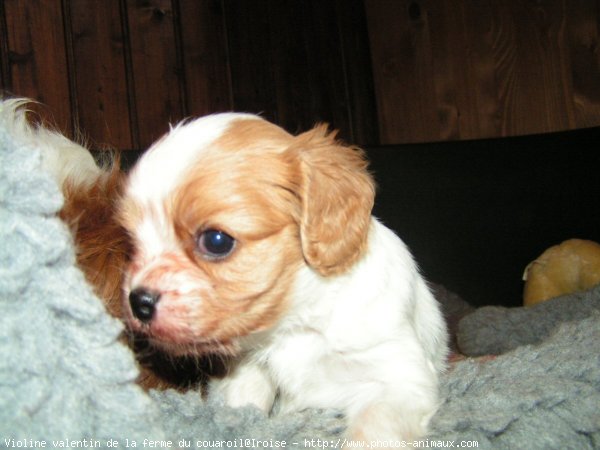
61 157
163 166
372 339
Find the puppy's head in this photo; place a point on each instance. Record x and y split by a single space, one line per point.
223 212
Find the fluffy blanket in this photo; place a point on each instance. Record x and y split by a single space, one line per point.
67 381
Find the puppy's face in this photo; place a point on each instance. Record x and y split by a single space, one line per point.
222 213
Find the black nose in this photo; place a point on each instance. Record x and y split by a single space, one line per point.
143 303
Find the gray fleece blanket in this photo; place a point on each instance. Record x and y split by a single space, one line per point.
67 382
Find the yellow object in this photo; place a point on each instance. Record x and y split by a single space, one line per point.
569 267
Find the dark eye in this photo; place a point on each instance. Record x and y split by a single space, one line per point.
214 244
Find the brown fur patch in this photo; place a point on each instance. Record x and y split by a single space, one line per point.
337 195
102 244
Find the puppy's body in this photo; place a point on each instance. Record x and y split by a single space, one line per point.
316 300
367 342
260 246
104 248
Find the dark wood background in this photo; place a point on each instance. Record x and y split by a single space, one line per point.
121 70
382 71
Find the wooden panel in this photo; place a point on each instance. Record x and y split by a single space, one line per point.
583 38
442 69
542 96
402 70
4 69
38 58
288 61
358 81
204 51
99 72
463 69
251 61
129 67
309 73
156 72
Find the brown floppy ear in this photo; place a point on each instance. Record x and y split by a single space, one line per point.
337 194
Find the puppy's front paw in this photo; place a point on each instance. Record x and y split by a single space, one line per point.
383 425
246 385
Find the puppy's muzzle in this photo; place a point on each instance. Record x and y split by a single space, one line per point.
143 303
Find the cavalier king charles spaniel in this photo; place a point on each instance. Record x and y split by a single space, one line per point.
232 237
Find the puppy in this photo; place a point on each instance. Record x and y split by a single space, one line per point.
250 243
255 244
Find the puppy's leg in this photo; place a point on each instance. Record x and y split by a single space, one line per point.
387 424
430 326
395 408
246 384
